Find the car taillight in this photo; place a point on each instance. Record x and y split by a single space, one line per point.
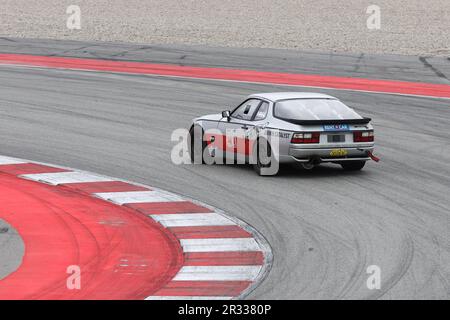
363 136
310 137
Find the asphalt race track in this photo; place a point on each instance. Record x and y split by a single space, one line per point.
325 226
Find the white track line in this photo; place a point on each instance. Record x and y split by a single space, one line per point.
9 160
219 245
192 219
139 196
217 273
65 177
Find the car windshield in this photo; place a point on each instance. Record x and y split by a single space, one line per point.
313 109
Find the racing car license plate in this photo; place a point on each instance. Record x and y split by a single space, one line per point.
335 127
338 153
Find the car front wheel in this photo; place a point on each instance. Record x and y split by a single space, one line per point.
196 137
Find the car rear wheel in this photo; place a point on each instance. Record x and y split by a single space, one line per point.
265 150
353 165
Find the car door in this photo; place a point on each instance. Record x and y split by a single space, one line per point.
258 121
236 131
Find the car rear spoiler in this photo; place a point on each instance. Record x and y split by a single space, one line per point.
320 122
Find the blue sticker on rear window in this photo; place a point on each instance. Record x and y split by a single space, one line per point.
335 127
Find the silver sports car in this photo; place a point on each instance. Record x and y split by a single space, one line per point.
268 128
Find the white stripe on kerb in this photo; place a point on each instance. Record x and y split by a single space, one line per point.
139 196
192 219
187 298
65 177
219 245
9 160
217 273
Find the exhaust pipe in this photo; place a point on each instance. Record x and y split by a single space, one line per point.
308 165
313 161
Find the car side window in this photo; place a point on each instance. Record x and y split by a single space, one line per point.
246 110
262 111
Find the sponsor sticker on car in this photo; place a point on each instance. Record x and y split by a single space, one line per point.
335 127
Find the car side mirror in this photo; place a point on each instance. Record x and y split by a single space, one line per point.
226 114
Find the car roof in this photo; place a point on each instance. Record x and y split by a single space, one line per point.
275 96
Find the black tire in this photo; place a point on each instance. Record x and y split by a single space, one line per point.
261 164
353 165
192 149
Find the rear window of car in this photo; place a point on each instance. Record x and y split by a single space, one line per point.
313 109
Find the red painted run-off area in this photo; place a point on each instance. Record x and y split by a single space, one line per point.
121 254
358 84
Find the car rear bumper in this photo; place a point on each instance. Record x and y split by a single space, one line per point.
325 154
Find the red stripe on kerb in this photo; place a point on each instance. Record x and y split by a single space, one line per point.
106 186
121 254
168 207
205 232
29 168
203 288
332 82
241 258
